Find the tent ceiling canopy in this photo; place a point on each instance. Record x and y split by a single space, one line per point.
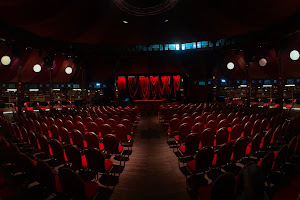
126 22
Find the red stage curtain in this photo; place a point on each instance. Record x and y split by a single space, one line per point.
166 88
176 82
133 86
121 84
154 86
144 87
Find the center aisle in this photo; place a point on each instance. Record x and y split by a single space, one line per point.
152 171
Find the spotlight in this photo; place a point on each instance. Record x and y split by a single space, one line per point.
125 22
37 68
262 62
5 60
166 20
230 66
68 70
294 55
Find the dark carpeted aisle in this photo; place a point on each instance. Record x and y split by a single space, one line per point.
152 172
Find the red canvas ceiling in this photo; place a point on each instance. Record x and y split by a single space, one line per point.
100 21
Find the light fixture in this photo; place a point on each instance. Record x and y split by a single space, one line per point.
5 60
125 22
294 55
230 66
37 68
262 62
166 20
68 70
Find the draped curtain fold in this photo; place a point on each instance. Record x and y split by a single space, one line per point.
132 86
121 83
176 82
150 87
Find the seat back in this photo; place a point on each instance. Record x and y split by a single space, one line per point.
72 184
204 158
59 123
277 134
264 125
99 121
105 130
223 123
77 139
221 117
111 144
32 139
69 125
184 131
79 126
92 140
224 154
121 132
281 157
236 131
255 143
247 129
73 156
44 144
207 138
256 127
239 148
222 136
174 125
44 129
54 131
213 125
93 127
267 139
45 176
95 160
192 144
210 117
198 128
223 187
64 134
187 120
57 150
267 162
236 121
112 123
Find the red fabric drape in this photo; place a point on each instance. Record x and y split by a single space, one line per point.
154 86
144 87
132 86
121 83
166 88
176 82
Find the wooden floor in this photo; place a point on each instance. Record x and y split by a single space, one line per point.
152 171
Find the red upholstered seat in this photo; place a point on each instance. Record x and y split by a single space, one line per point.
91 189
84 162
101 146
182 148
286 192
248 149
204 192
191 165
120 149
108 164
176 137
58 185
215 160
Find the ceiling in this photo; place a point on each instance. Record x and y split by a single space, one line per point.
100 22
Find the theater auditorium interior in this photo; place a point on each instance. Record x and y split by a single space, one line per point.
150 99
